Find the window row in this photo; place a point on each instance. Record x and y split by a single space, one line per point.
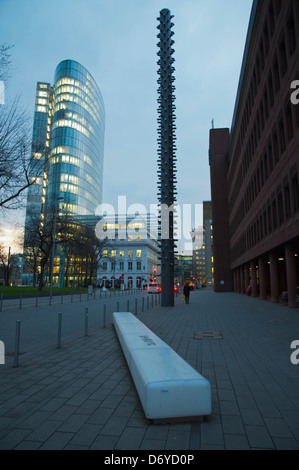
282 134
121 253
278 209
113 266
255 116
283 52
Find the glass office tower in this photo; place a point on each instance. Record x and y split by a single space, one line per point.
67 149
75 169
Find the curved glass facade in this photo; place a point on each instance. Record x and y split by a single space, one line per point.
75 170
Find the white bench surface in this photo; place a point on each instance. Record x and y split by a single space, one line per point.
168 387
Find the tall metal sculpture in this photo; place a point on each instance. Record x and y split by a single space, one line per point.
166 156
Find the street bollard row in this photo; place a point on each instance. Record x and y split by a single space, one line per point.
38 298
104 323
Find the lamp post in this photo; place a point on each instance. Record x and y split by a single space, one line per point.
53 250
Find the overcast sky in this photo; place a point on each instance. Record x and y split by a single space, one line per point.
116 40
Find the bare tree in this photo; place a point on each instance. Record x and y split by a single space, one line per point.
5 62
8 263
18 171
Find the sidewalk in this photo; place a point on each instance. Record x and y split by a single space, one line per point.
82 396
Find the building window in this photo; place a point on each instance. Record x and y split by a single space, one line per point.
266 105
275 148
266 164
271 19
113 266
138 265
130 266
270 157
283 56
121 253
113 253
291 31
287 199
266 37
274 214
121 265
269 218
105 253
280 208
276 75
282 136
289 121
130 253
138 253
277 6
295 191
271 89
105 266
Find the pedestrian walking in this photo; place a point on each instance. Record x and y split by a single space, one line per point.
187 292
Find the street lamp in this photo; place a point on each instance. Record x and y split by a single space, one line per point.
53 250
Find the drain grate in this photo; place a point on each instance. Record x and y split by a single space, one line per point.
207 335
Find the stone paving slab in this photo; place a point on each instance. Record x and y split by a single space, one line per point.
82 396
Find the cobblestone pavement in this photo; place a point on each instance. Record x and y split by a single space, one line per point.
81 396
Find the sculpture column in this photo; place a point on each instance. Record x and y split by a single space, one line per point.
166 156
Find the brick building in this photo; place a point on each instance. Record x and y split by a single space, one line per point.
254 166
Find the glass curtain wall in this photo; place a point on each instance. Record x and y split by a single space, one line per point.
75 172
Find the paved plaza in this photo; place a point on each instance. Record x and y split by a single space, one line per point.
81 395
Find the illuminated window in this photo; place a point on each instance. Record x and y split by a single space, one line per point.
37 155
121 253
139 253
41 109
105 253
130 253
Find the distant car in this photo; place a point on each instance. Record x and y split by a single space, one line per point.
153 288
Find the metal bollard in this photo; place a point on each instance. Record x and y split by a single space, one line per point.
104 316
59 330
86 322
17 343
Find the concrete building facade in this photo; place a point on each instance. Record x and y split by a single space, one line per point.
254 166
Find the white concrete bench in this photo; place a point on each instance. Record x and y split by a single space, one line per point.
168 387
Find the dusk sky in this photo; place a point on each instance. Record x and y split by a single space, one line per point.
116 40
